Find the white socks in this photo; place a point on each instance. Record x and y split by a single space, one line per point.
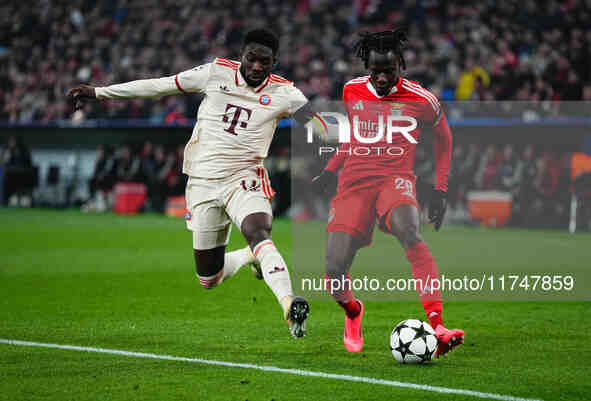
234 260
274 270
273 267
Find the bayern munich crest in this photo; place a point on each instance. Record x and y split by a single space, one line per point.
265 100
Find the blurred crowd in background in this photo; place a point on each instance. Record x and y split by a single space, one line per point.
461 50
159 168
537 179
534 51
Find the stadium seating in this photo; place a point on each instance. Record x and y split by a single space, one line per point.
491 51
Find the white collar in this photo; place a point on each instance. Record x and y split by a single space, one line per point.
240 81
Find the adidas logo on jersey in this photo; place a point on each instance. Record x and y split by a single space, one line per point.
358 105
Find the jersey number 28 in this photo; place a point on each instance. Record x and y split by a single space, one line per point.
404 185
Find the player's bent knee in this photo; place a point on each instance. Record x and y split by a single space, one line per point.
411 237
337 262
335 269
257 236
257 228
408 234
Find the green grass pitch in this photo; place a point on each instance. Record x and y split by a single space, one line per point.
128 283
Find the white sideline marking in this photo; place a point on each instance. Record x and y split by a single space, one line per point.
298 372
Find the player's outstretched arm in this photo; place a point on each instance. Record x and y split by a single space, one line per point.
443 149
143 88
193 80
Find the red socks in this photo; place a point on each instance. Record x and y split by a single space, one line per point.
425 270
343 295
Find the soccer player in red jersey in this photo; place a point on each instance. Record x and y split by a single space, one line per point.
376 181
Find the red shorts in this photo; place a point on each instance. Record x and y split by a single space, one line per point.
355 211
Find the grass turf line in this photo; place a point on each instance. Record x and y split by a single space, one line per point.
128 283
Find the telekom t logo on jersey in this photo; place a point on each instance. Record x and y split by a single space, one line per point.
236 118
388 127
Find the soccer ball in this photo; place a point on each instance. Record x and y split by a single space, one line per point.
413 341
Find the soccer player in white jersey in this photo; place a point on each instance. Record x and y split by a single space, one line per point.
243 101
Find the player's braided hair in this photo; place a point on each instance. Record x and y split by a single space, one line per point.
382 42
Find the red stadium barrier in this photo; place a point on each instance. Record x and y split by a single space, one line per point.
129 197
490 208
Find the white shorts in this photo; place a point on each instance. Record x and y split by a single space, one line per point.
214 203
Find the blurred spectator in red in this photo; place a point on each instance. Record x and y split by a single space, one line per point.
487 176
546 181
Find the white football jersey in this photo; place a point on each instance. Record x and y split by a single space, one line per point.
235 122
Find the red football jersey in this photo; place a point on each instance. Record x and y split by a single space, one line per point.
372 152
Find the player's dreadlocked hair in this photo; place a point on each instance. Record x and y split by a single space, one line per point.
382 42
263 37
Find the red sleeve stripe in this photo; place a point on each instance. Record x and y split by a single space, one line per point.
178 85
280 82
226 64
438 119
423 91
416 89
360 80
279 79
228 61
234 67
435 105
420 88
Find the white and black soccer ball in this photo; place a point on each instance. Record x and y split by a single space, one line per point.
413 341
